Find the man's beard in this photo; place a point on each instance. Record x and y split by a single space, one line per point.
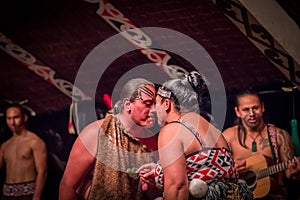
253 123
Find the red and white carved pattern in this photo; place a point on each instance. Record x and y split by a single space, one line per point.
110 14
209 165
44 72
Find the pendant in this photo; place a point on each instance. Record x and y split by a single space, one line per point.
254 146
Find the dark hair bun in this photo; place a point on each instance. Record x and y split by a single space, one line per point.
197 81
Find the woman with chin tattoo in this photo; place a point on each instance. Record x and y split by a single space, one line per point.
195 160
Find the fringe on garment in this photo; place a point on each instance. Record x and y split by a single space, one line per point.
229 191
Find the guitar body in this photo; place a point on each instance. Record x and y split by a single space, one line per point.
262 186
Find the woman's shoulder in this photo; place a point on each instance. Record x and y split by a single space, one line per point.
170 133
230 133
170 127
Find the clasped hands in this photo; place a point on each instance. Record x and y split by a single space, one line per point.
146 173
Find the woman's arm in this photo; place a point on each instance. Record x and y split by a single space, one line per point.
172 158
146 173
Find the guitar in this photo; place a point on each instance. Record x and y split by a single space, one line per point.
258 172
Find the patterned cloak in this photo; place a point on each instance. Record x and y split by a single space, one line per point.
117 153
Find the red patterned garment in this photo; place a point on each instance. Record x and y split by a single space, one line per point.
215 166
19 191
209 164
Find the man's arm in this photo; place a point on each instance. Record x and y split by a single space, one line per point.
239 164
78 167
286 148
40 159
80 163
2 156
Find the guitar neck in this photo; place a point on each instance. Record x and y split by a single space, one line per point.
272 170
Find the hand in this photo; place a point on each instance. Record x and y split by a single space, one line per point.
146 168
146 173
294 167
240 165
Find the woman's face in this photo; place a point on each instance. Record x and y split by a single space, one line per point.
160 111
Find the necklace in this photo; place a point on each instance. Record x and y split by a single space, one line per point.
254 145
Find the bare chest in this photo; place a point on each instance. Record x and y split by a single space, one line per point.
260 145
18 150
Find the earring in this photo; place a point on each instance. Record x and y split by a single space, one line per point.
128 109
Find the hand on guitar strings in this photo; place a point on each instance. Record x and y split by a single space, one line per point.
294 168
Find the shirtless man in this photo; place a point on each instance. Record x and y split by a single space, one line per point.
24 157
251 137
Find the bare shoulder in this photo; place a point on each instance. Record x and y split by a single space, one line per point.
285 144
281 131
168 133
169 129
33 135
89 135
35 139
5 144
230 133
283 136
91 129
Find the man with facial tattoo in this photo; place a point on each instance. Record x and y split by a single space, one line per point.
104 156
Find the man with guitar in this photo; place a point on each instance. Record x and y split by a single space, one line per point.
263 153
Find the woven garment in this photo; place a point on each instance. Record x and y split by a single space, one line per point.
229 191
209 165
215 166
18 191
117 152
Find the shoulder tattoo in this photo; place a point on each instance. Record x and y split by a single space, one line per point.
285 144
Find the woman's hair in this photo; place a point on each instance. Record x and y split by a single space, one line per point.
187 91
130 91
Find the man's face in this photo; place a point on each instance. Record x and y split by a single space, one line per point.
250 109
14 119
142 109
160 111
